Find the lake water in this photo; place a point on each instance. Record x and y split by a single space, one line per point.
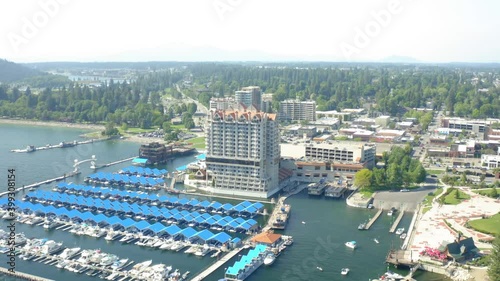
318 242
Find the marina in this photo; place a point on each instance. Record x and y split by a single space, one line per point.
364 266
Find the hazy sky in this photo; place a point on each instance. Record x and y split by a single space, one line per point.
362 30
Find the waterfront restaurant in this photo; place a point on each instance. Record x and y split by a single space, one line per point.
268 239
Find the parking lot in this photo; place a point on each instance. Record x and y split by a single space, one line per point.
407 201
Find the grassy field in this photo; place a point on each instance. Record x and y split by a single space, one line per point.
366 193
135 130
486 192
435 172
198 143
453 199
428 199
489 225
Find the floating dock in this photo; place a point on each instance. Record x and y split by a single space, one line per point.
280 215
41 183
372 221
316 189
23 276
396 222
216 265
335 191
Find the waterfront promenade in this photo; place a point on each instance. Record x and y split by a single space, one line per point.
217 264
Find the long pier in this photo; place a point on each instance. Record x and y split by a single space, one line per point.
396 222
61 145
216 265
372 221
41 183
22 275
116 162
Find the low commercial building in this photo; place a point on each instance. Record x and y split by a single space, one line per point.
354 133
491 161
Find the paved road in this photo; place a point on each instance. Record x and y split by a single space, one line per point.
404 200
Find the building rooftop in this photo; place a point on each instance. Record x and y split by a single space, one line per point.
266 238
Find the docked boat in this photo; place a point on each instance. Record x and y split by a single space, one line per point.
202 251
392 275
288 240
63 264
113 235
403 236
269 259
400 231
50 247
69 253
351 244
119 264
362 226
143 265
108 259
391 211
50 224
344 271
127 237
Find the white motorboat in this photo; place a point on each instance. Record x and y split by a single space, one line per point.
69 253
50 247
400 231
393 275
375 239
143 265
351 244
20 239
62 263
319 268
202 251
113 276
108 259
50 224
117 265
403 236
344 271
127 237
112 235
269 259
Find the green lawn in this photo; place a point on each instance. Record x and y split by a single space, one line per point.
136 130
434 172
428 199
197 142
489 225
451 199
366 193
486 192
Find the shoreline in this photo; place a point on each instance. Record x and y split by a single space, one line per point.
92 128
51 124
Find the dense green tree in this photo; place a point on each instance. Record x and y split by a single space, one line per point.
362 178
494 266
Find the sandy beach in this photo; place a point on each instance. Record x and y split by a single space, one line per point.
93 127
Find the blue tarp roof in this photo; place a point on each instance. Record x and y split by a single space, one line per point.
140 160
173 229
157 227
187 232
221 237
204 235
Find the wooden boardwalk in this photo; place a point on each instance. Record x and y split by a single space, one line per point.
372 221
216 265
396 222
23 276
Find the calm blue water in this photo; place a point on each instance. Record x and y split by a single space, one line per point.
318 242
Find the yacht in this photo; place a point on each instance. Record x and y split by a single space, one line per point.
351 244
288 240
69 253
108 259
20 239
344 271
119 264
269 259
202 251
178 246
50 247
127 237
138 268
400 231
393 275
50 224
63 263
113 235
113 276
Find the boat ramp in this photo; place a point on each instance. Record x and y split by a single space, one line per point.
396 222
372 221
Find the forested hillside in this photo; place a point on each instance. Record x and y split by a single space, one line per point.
16 73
